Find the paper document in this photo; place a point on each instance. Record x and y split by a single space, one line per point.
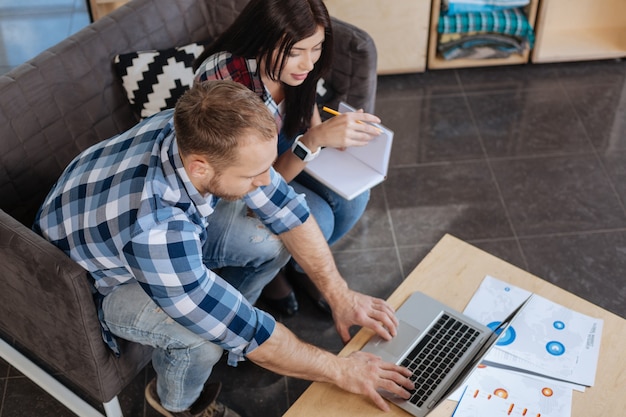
546 339
356 169
495 392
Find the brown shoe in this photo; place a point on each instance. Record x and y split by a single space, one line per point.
205 406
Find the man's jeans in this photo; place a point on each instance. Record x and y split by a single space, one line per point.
247 257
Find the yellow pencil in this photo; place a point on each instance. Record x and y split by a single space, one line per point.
336 113
331 111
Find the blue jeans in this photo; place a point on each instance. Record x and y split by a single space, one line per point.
334 214
247 255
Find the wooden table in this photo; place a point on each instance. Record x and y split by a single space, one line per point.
451 273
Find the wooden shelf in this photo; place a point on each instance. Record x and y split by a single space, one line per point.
100 8
405 31
437 62
399 29
580 30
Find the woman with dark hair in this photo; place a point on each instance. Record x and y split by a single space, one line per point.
280 49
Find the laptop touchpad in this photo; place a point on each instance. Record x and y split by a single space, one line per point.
396 347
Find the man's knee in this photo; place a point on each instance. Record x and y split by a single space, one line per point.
264 246
205 354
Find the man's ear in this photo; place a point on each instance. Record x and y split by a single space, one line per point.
197 167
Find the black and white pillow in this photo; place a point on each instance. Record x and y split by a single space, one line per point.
324 92
155 80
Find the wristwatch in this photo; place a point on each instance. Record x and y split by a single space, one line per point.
300 150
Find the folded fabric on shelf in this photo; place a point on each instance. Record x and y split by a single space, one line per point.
452 7
512 22
479 46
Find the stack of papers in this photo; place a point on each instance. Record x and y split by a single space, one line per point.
494 392
546 352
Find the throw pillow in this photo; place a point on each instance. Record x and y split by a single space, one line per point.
324 92
155 80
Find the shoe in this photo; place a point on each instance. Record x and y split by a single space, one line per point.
302 280
273 296
287 306
205 406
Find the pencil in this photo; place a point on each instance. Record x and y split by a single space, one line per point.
336 113
331 111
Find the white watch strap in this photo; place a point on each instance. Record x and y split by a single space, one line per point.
302 151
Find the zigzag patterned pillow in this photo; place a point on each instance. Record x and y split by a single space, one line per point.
155 80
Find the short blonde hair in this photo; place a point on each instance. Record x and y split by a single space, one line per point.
212 118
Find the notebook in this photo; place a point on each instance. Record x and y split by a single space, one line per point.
440 345
356 169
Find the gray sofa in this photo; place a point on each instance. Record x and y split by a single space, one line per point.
51 108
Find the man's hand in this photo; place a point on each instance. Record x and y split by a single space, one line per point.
364 373
308 247
351 308
360 372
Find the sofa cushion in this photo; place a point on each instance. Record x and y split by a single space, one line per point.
154 80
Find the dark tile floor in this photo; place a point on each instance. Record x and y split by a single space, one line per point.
525 162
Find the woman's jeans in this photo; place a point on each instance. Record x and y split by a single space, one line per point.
246 254
334 214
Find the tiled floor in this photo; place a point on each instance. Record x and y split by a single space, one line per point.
525 162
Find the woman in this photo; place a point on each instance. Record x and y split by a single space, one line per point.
280 49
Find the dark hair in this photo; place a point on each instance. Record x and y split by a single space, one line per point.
265 25
205 126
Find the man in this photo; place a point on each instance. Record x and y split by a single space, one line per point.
134 211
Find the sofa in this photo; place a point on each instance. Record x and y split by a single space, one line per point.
53 107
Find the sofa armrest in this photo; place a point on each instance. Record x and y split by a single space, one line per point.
47 310
353 77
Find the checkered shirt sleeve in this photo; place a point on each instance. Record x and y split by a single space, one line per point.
125 210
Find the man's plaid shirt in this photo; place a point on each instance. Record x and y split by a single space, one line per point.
126 210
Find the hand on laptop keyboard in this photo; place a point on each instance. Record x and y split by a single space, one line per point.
351 308
364 373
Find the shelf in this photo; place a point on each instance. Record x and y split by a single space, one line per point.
100 8
575 45
437 62
405 32
580 30
399 30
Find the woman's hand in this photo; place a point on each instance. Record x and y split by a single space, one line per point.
342 131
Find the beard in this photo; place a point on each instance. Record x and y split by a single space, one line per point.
214 187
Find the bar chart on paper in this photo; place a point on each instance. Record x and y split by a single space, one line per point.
496 392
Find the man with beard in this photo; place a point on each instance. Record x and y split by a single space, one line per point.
134 210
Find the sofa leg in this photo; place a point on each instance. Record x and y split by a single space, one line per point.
59 391
112 408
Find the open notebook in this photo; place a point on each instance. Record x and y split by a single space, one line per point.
356 169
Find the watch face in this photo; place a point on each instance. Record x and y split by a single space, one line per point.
299 152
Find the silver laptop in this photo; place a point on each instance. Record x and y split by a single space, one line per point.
440 345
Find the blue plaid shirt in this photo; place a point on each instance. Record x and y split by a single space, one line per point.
126 210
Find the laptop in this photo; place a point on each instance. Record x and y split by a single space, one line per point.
440 345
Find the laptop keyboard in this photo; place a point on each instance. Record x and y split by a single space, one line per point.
435 354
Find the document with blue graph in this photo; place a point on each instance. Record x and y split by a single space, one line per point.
548 351
547 338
